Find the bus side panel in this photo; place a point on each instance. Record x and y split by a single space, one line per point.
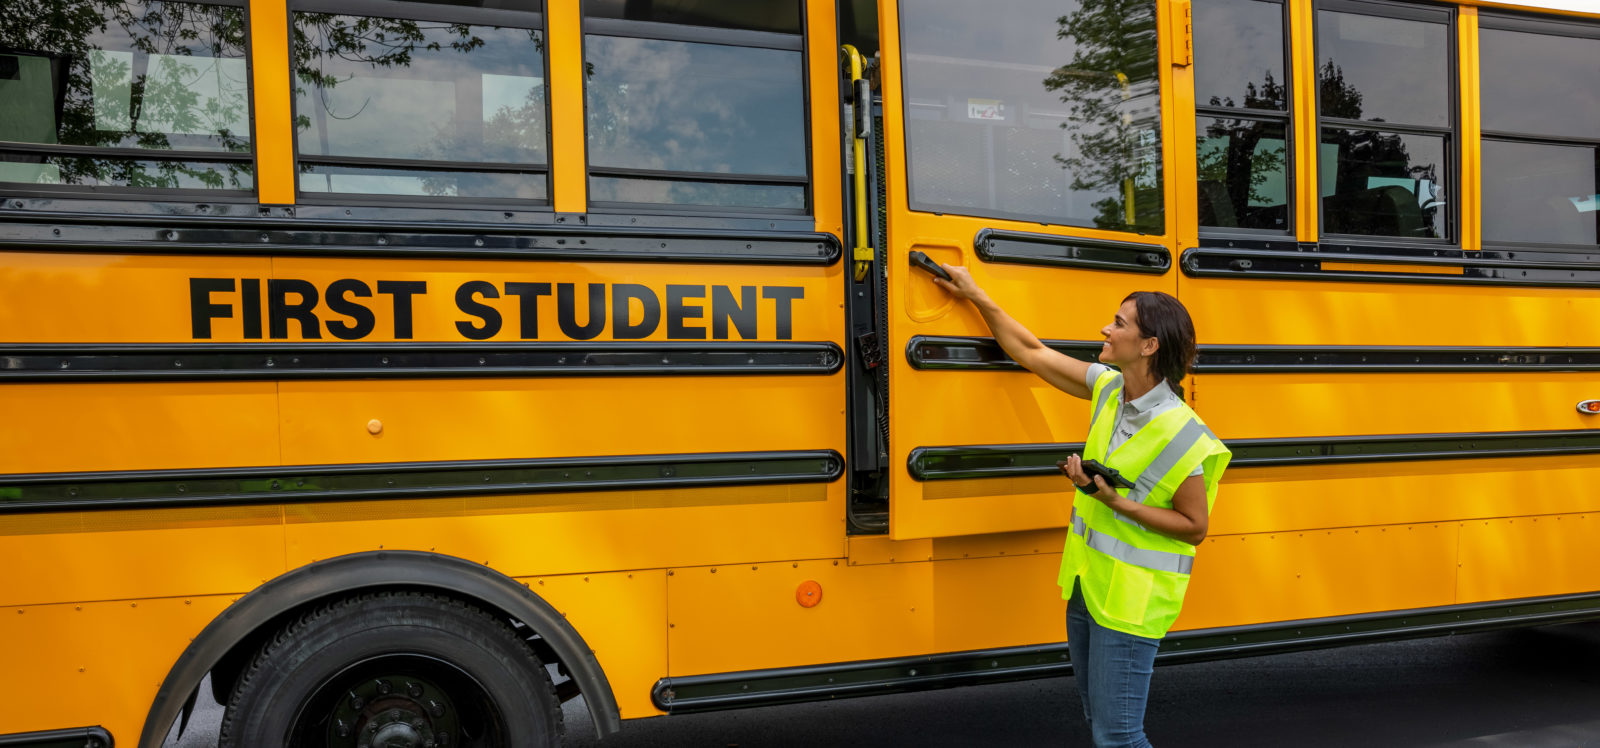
138 554
120 653
1266 577
579 532
747 616
85 426
1324 538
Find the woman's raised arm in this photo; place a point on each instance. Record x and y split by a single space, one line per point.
1063 372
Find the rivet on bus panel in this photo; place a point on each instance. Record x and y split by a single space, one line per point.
374 427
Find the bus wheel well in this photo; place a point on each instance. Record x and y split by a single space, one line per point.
225 674
226 645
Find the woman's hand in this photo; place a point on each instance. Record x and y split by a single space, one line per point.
1105 493
960 283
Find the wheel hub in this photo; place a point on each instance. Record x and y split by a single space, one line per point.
394 711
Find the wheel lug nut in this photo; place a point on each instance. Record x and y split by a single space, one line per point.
342 729
356 702
442 738
413 689
435 708
384 687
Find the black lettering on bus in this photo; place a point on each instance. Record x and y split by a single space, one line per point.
489 315
201 310
567 311
741 312
528 294
622 325
784 296
402 291
280 311
250 307
364 319
678 311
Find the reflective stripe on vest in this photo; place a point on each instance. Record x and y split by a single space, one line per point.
1180 445
1176 563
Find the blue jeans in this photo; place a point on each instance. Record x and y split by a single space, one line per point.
1113 674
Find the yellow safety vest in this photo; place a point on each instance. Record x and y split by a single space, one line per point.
1133 579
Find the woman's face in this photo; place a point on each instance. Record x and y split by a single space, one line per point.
1125 345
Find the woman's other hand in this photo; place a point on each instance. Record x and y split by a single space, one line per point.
960 283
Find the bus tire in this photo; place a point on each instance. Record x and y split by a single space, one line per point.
394 668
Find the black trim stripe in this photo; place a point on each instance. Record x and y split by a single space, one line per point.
1050 250
703 693
78 737
1023 460
933 352
408 480
1573 269
34 232
301 361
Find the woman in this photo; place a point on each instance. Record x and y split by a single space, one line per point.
1129 551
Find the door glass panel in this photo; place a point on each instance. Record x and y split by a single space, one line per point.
1383 69
1049 111
1540 193
1384 184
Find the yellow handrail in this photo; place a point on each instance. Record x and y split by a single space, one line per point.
862 253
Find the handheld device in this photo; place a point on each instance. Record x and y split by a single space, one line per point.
927 264
1092 468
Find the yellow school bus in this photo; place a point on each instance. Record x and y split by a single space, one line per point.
410 368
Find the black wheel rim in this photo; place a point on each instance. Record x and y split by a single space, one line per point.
401 700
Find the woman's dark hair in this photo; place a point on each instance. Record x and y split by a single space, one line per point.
1164 318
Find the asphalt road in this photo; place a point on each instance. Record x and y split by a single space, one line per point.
1534 688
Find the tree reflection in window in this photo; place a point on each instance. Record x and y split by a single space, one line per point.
1118 143
155 76
378 99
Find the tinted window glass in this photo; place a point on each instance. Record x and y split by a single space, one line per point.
673 106
1243 168
1540 84
1238 54
1383 184
420 182
1540 193
1048 111
394 88
1383 69
45 169
782 16
160 76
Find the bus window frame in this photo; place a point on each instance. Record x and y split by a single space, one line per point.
113 196
407 10
1285 117
675 32
1450 15
1499 20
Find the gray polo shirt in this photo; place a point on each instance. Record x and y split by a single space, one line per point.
1135 414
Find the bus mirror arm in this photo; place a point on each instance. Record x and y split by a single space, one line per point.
863 108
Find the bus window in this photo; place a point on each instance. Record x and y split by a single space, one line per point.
685 116
1036 113
359 83
1241 103
129 94
1541 115
1375 72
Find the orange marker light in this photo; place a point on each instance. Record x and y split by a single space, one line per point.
808 594
1589 406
